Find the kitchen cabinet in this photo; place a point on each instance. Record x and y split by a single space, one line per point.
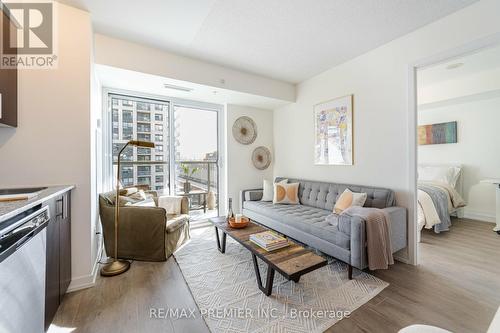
8 90
58 256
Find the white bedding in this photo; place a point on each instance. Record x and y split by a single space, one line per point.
427 213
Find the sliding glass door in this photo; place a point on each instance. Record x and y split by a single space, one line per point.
196 155
185 160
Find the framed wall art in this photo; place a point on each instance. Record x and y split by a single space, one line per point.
333 143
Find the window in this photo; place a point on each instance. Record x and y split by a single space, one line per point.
159 107
159 148
127 176
127 117
144 151
115 133
159 179
158 137
159 187
143 106
159 168
158 117
144 117
144 170
143 158
144 180
115 115
126 102
127 154
159 158
143 137
144 128
158 127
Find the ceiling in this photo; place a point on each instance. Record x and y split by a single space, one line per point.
289 40
483 60
153 85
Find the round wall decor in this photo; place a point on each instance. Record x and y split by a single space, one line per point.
245 130
261 158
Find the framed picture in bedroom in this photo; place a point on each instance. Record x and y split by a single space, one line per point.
333 131
436 134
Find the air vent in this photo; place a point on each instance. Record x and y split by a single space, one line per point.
171 86
454 66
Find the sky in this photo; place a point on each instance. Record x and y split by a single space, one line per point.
197 132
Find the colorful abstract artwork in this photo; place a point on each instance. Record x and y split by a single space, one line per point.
437 133
333 132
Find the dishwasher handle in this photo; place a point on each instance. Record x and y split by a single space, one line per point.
26 237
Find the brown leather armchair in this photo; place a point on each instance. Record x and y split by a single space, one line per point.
144 233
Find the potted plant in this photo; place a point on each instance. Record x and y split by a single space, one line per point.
188 172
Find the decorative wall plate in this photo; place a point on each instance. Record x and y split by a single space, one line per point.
245 130
261 158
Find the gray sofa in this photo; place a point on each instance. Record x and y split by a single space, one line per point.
307 222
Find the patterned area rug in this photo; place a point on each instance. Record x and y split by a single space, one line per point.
225 288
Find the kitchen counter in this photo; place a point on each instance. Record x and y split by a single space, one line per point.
9 209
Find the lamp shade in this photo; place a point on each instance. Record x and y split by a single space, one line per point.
138 143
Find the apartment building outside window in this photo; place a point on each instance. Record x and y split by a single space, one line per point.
131 119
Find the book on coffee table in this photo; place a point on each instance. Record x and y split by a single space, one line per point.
269 240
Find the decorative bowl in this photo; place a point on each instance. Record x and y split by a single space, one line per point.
238 225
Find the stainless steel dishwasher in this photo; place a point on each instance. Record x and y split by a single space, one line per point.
22 272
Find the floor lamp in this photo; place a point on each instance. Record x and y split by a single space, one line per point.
118 266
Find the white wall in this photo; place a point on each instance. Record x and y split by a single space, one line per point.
467 100
52 144
379 82
241 172
132 56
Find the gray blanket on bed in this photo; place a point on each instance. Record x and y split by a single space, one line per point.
440 200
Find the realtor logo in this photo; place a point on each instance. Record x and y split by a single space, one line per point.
28 34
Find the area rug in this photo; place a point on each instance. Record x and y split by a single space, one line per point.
225 289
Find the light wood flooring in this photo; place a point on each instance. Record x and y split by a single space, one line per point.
456 287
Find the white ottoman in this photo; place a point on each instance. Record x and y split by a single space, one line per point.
423 329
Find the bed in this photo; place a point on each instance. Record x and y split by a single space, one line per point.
439 196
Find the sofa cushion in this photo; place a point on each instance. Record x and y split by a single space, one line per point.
324 195
304 218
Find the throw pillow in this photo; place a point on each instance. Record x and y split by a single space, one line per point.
139 195
286 193
145 203
348 199
268 189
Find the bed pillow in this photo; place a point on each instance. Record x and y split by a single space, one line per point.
268 189
348 199
286 193
444 174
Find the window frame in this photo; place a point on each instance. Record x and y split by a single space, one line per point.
107 154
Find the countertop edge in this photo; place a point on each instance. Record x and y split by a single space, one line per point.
64 189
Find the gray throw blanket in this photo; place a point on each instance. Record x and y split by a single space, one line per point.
378 235
440 200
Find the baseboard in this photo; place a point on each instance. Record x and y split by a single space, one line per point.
86 281
479 216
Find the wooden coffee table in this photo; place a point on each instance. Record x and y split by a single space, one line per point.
292 261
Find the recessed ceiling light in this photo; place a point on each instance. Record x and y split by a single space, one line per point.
455 65
171 86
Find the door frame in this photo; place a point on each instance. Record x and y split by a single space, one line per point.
439 58
107 151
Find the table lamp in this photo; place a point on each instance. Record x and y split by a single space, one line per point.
118 266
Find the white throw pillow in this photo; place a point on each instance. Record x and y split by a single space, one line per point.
348 199
268 189
444 174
